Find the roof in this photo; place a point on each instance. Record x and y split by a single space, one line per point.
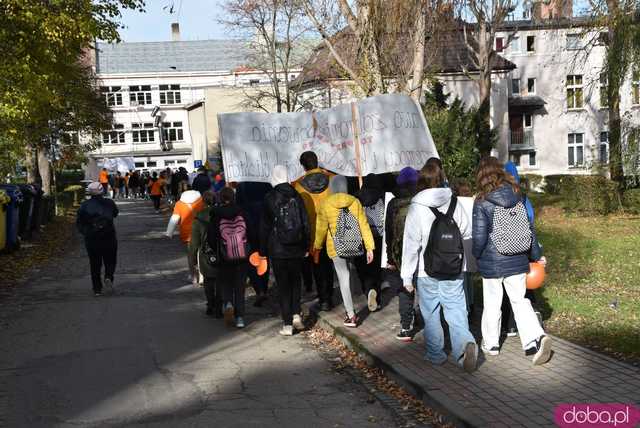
450 56
146 57
548 24
533 101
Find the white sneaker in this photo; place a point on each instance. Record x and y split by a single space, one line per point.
108 286
287 330
239 322
372 303
493 351
297 322
543 351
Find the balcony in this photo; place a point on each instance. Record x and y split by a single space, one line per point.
521 140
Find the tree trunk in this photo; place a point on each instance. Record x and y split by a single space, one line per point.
616 169
415 84
44 167
31 164
484 83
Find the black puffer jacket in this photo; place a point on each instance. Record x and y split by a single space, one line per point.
97 211
401 195
491 263
269 244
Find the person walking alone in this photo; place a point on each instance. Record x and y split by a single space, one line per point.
284 239
95 222
504 242
342 227
434 229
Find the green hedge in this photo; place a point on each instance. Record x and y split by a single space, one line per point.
631 201
588 194
531 182
552 183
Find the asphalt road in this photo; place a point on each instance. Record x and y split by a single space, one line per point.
150 357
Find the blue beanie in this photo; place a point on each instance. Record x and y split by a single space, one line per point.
407 176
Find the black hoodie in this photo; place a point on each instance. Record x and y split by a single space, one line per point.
269 244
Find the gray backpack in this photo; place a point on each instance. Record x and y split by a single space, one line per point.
348 238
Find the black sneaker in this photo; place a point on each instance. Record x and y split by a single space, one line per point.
97 294
209 312
404 335
351 322
542 351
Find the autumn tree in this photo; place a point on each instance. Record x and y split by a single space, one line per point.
277 37
44 89
481 19
389 43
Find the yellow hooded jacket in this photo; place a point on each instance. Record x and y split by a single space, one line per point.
313 187
328 217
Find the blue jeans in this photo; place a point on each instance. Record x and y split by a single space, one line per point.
449 295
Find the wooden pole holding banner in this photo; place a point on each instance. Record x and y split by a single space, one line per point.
356 141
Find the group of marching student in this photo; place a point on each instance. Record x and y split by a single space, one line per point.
314 227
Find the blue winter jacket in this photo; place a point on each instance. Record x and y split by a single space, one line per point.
491 263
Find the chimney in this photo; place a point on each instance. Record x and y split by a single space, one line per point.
175 32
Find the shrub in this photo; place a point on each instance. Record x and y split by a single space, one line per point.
531 182
552 183
631 201
588 194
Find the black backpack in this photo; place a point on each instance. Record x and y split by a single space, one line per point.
444 254
288 226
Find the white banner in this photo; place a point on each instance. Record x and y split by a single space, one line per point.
393 134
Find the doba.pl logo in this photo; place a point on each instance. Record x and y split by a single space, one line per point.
597 415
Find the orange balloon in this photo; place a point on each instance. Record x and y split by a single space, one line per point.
535 277
259 262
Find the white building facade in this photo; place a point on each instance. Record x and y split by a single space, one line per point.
160 95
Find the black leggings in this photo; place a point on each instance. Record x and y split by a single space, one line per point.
288 274
156 201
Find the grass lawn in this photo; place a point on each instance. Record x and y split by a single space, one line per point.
592 290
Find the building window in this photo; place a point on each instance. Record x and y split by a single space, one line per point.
514 45
140 95
115 136
112 95
531 43
574 91
139 164
169 163
603 149
142 132
532 159
574 42
576 150
531 86
170 94
515 86
172 131
499 44
635 87
528 120
182 161
515 158
254 82
152 164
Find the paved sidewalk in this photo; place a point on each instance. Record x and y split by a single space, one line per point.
505 391
149 357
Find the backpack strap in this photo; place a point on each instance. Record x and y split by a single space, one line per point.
450 210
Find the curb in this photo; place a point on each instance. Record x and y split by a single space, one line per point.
450 409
